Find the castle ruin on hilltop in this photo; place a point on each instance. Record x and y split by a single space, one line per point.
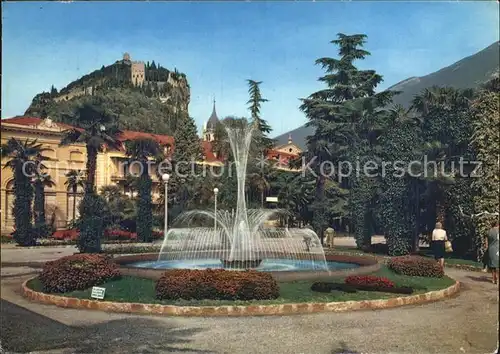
155 81
137 70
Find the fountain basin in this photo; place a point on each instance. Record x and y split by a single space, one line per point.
282 269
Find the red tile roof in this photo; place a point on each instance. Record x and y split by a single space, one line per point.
208 151
125 135
132 135
30 121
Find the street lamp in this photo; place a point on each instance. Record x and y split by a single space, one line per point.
165 177
216 191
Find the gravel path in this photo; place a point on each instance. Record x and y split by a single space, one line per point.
464 324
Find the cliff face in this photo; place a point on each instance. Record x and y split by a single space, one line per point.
145 96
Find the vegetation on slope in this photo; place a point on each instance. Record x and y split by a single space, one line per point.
148 108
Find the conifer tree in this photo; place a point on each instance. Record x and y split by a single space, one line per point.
336 126
187 152
254 104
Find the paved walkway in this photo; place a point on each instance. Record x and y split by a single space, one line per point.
464 324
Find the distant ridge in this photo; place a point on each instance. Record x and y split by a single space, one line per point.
469 72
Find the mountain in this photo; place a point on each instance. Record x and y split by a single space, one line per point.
145 96
469 72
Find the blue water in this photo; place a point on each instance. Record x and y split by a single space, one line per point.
268 265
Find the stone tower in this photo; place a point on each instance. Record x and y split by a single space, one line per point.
137 71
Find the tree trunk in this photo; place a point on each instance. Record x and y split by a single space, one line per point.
91 166
39 204
74 203
23 192
440 211
320 195
262 198
416 216
144 206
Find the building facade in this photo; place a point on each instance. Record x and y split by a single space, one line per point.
113 166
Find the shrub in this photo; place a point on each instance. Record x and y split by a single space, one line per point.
77 272
416 266
157 235
369 280
66 234
216 284
7 238
126 248
91 222
117 234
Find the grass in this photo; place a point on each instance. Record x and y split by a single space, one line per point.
132 289
449 258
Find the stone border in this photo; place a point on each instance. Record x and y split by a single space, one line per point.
367 265
252 310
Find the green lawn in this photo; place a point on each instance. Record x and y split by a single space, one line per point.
449 258
132 289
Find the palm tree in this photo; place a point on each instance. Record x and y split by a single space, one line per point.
142 150
74 180
22 160
96 129
439 107
41 181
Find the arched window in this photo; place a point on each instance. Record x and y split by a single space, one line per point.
72 202
76 156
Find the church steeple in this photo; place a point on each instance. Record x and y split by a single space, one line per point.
210 126
213 120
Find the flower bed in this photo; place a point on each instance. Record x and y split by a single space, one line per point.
369 280
216 284
416 266
109 234
77 272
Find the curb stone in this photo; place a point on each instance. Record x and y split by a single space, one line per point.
251 310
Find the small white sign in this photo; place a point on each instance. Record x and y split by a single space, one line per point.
97 293
272 199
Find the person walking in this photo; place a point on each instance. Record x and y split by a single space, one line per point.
492 251
439 238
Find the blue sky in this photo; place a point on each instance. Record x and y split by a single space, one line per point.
221 44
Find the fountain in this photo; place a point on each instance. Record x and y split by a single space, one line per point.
240 239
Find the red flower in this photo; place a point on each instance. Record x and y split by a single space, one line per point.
369 280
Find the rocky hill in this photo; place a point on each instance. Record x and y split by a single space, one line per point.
469 72
145 96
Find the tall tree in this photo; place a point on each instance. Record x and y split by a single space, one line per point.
96 128
335 135
74 180
486 144
41 181
187 153
261 126
142 150
22 161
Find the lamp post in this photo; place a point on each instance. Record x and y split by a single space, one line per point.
216 191
165 177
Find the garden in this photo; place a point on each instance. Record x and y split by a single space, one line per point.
74 276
